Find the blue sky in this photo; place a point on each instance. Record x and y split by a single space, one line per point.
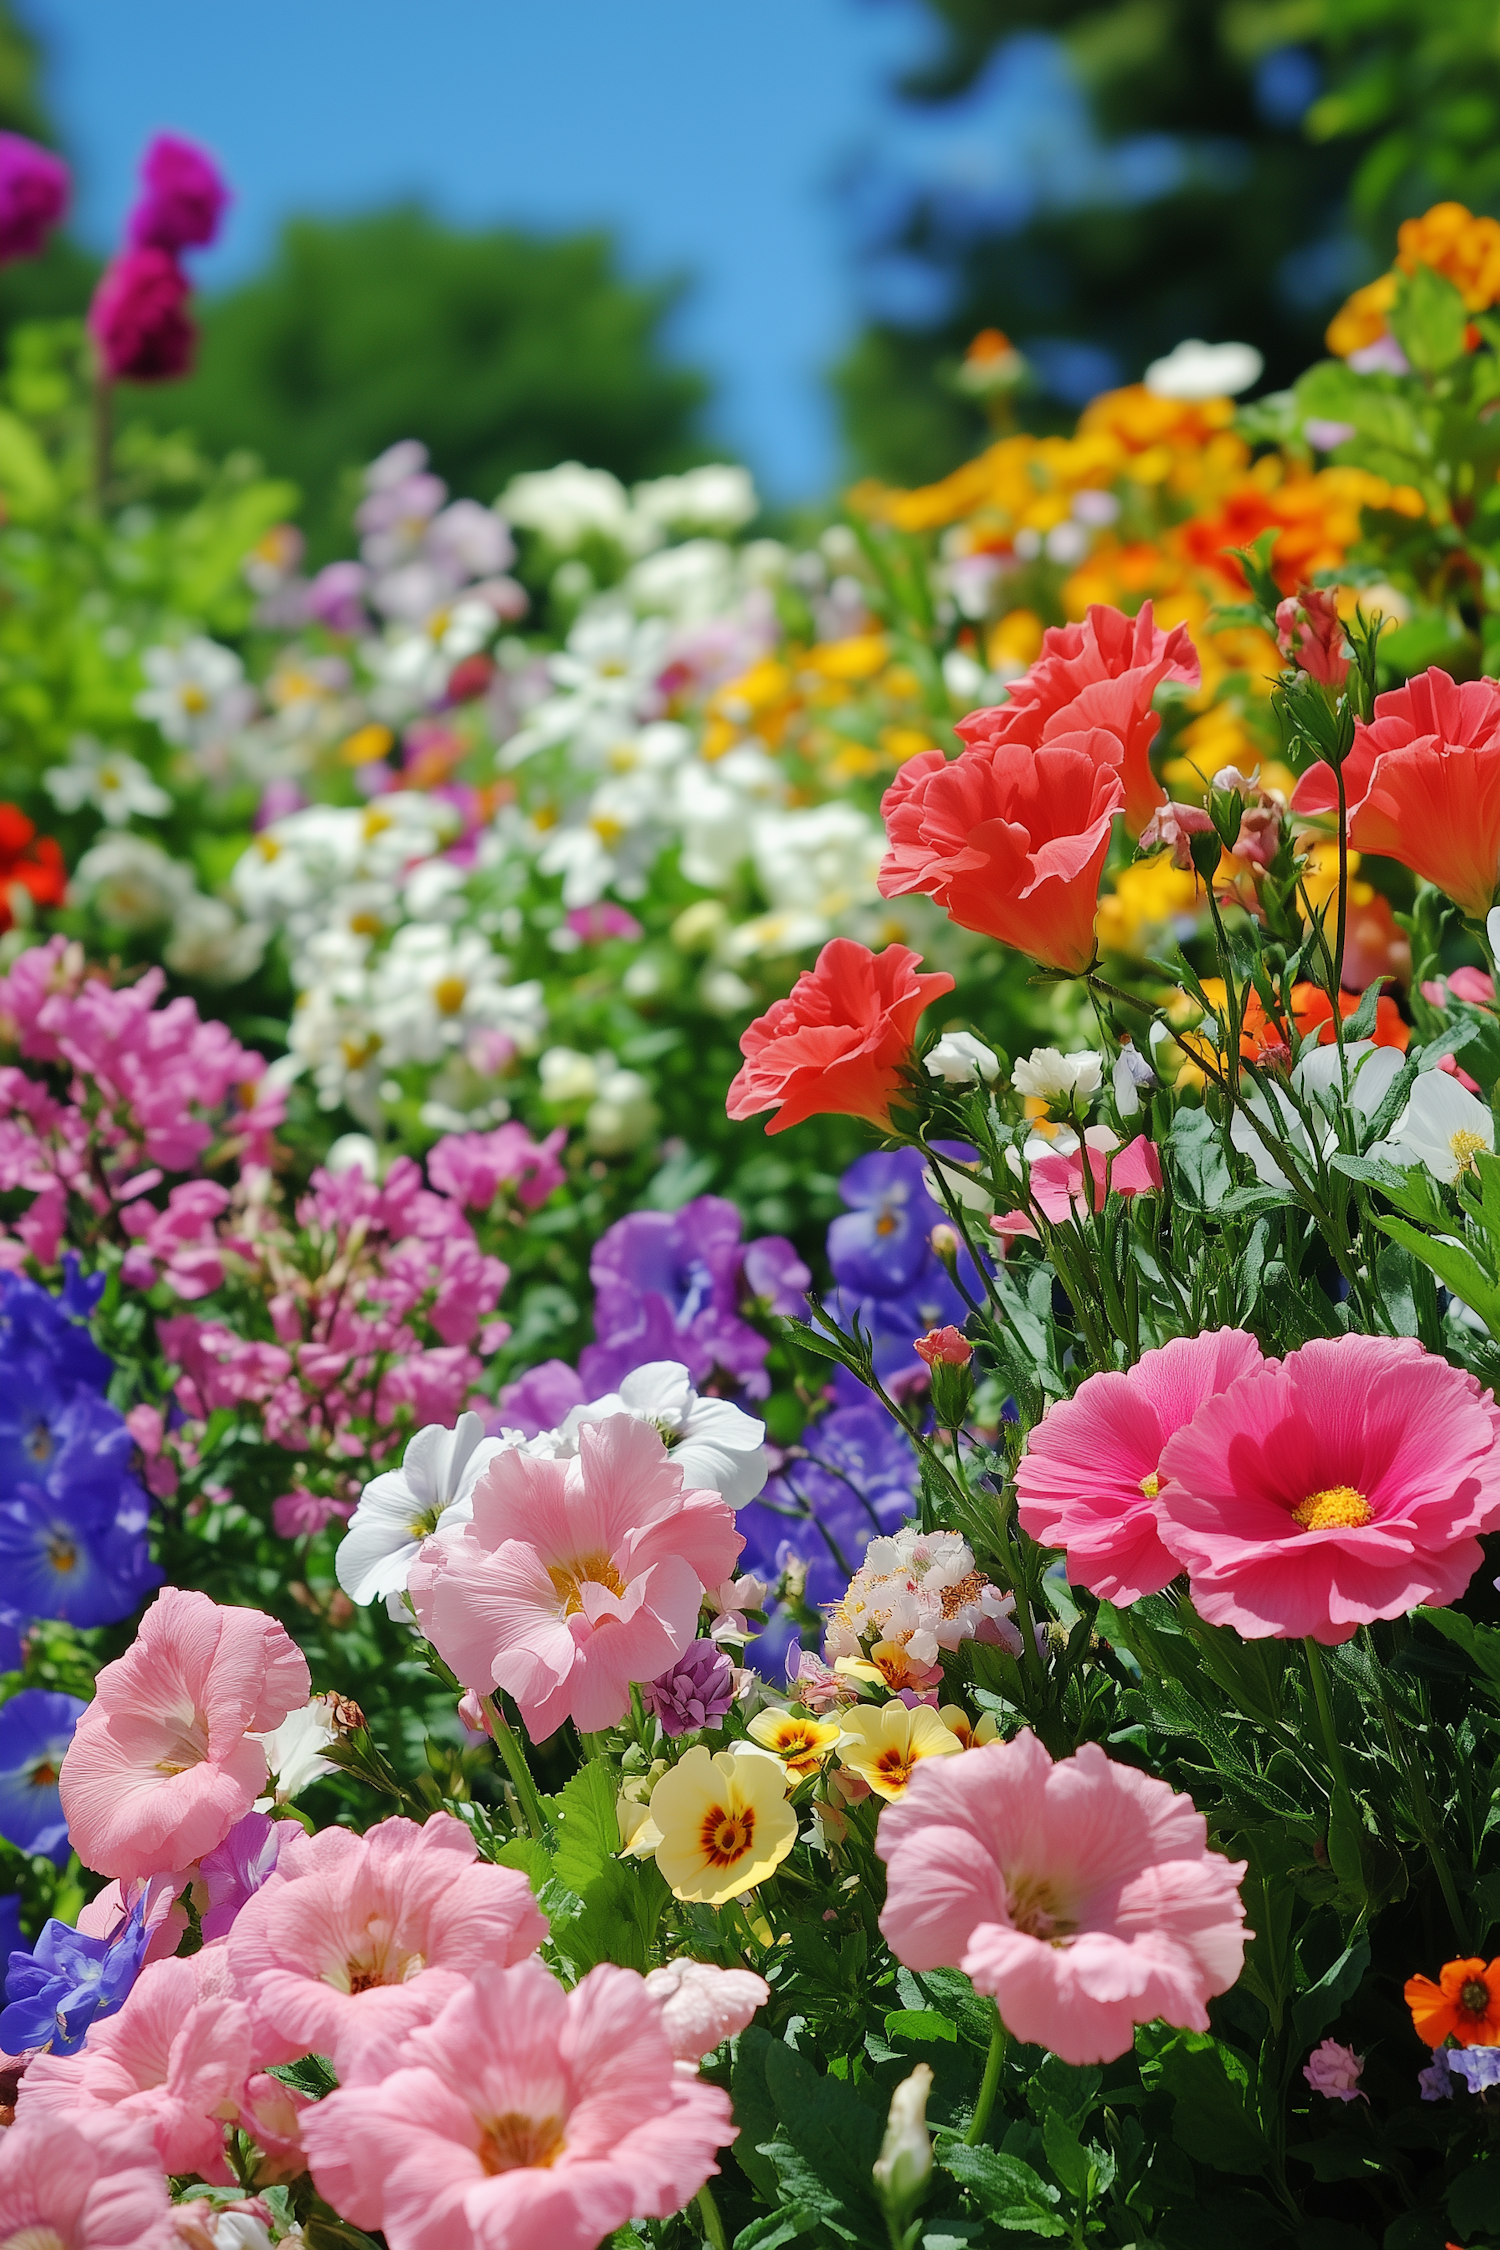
708 135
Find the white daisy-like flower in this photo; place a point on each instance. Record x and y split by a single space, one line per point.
113 782
432 1491
717 1447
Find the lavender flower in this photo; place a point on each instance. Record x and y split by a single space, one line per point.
668 1286
1436 2081
697 1691
235 1870
1333 2071
1478 2067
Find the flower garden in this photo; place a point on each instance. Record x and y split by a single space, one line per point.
749 1312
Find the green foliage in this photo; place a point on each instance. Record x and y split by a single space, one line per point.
501 351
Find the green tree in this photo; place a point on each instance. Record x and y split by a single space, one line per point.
1274 204
501 350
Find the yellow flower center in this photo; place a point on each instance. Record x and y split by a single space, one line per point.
588 1570
1339 1508
1034 1909
894 1765
450 994
193 698
38 1443
516 2142
726 1836
1466 1146
62 1554
1151 1485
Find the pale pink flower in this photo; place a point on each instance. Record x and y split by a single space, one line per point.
1087 1481
1081 1894
575 1577
1349 1481
164 1761
353 1936
174 2062
1334 2071
701 2005
92 2184
524 2117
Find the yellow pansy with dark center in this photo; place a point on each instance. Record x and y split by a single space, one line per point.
727 1836
516 2142
1337 1508
568 1579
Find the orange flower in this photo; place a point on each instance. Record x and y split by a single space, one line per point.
1261 1035
1435 806
1464 2004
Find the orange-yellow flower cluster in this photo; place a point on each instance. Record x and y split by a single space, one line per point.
1449 239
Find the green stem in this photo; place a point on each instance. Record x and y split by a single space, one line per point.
713 2224
990 2086
509 1747
1318 1673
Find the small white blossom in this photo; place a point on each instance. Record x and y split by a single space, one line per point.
1195 370
959 1059
1058 1079
432 1491
717 1447
115 784
1442 1127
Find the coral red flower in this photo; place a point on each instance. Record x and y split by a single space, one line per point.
1347 1482
1430 708
1088 1479
1102 673
1009 840
1081 1894
33 862
946 1347
1464 2004
836 1043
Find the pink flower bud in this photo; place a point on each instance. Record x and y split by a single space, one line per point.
1310 631
945 1345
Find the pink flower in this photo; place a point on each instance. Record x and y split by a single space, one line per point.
1310 631
139 319
1087 1481
473 1167
176 2063
1057 1185
302 1515
701 2005
164 1917
34 190
183 198
181 1239
525 2116
1334 2071
1176 825
576 1577
164 1761
1349 1481
94 2185
1081 1894
357 1936
947 1347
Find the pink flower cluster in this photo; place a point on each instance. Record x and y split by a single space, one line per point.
1303 1497
476 2097
149 1090
379 1303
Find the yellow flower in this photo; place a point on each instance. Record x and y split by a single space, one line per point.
639 1834
971 1737
882 1746
803 1742
724 1822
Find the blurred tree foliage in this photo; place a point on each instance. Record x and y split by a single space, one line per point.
1302 130
501 351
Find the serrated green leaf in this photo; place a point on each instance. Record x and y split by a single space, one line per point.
1011 2195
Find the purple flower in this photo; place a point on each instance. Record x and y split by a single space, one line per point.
56 1991
81 1557
335 597
235 1870
34 187
139 319
880 1245
1436 2081
36 1727
544 1397
184 197
1333 2071
697 1692
667 1286
43 1337
1478 2067
775 1273
10 1926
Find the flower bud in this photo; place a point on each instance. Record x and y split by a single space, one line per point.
948 1354
945 1243
904 2165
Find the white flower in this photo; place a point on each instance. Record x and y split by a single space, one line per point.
717 497
959 1058
432 1491
434 986
209 941
1372 1072
567 1076
1194 370
1442 1127
196 693
353 1152
564 505
294 1750
114 783
904 2165
1131 1077
132 882
961 1183
1492 928
717 1447
818 860
624 1115
1057 1079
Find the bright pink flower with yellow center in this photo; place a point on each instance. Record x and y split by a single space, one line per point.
577 1577
525 2117
1081 1894
354 1937
1349 1481
165 1760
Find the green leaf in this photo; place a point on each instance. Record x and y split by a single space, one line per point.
1428 320
775 2227
26 477
837 2136
1066 2154
313 2075
1010 2194
1349 2155
1474 2197
1454 1266
1210 2087
921 2025
754 2110
950 1991
588 1830
1314 2010
1480 1643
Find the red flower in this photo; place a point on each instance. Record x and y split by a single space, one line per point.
139 319
944 1346
1009 840
1310 631
836 1044
1102 673
34 862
